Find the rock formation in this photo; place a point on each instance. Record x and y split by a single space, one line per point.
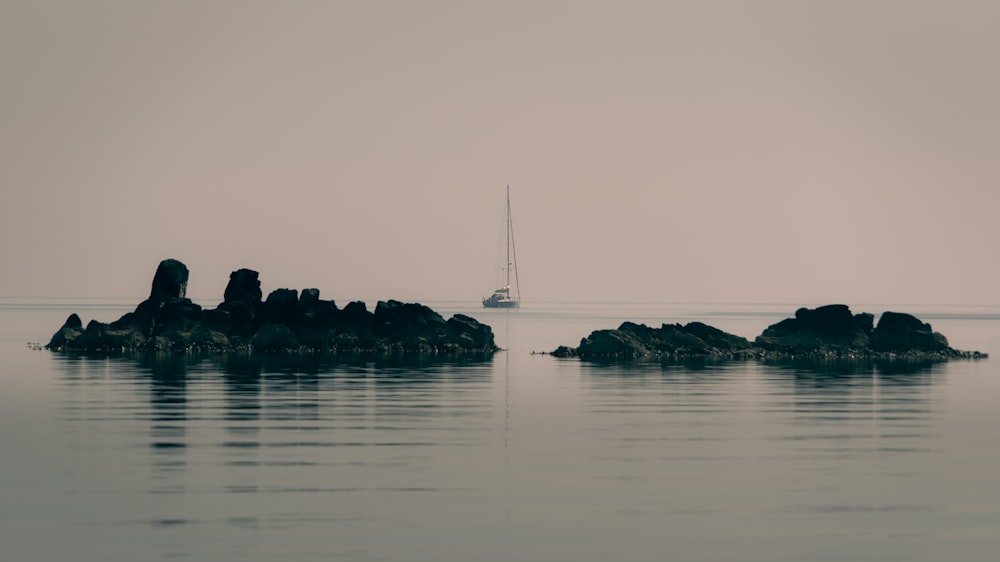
285 321
827 328
632 340
827 332
898 331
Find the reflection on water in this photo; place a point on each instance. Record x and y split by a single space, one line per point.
517 457
172 364
815 438
224 432
834 368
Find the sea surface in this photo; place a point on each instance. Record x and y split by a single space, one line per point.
519 456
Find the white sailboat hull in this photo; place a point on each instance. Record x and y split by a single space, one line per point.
491 303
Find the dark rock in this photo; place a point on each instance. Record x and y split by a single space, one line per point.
279 308
315 322
92 337
73 322
407 322
469 333
716 338
99 336
219 320
322 311
275 337
564 351
205 339
285 321
169 281
830 327
67 334
243 286
149 308
178 315
675 340
637 340
141 323
355 323
612 343
825 333
309 296
902 332
241 317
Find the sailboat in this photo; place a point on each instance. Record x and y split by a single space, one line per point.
504 297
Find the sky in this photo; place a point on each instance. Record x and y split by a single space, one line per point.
706 151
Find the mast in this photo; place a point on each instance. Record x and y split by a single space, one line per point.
508 236
511 249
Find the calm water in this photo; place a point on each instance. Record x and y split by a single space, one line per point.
516 457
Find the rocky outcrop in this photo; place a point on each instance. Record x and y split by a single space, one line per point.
285 321
169 281
632 340
70 331
243 286
827 328
833 331
827 332
898 331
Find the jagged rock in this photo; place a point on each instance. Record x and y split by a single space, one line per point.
140 325
898 331
611 343
824 333
309 296
99 336
468 332
73 322
716 338
637 340
285 321
243 286
565 351
830 327
67 334
319 311
355 321
279 308
411 324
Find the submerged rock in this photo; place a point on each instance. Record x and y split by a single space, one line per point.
285 321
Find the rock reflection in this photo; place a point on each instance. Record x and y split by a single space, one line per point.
834 372
249 424
901 371
840 414
301 392
598 366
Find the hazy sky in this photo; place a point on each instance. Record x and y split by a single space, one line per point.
763 151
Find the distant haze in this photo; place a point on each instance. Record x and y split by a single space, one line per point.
765 151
